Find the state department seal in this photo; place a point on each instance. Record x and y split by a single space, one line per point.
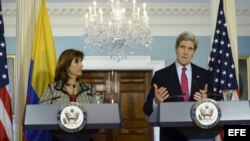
72 118
206 113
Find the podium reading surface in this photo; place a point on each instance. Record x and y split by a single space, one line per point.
177 114
99 116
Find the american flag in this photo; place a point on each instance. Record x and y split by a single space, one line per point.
5 102
221 63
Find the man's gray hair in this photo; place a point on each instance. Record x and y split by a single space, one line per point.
186 36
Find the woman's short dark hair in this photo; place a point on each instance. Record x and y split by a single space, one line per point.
64 63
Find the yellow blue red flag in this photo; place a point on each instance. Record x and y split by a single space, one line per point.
42 67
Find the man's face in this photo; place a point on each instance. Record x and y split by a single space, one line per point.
185 52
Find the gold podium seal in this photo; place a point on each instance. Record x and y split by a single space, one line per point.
206 113
72 118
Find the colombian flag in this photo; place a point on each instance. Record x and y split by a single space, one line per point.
42 67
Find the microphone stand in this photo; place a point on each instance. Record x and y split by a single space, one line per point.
213 95
73 88
50 99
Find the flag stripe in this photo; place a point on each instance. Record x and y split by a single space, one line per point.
3 135
6 120
5 100
32 97
43 54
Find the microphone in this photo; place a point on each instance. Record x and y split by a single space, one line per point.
208 94
175 96
50 99
74 85
90 94
213 94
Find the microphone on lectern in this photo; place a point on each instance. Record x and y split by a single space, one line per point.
74 85
50 99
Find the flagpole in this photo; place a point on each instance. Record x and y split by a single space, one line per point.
214 9
26 19
230 12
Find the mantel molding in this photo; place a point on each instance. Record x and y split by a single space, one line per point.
131 63
165 20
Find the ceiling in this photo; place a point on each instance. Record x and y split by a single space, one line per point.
167 17
238 2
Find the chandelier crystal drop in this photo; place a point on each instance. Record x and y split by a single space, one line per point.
122 34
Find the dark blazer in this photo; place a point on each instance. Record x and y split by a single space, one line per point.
168 77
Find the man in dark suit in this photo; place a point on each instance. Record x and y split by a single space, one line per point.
167 83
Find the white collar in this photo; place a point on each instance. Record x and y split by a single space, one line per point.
179 66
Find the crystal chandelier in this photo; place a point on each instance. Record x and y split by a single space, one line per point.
122 34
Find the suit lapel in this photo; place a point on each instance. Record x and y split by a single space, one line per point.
194 82
175 80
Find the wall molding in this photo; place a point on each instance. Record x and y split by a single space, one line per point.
165 19
131 63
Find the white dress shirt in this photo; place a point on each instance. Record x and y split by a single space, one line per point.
179 71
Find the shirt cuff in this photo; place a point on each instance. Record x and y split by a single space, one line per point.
154 104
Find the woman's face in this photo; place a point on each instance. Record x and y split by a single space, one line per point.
75 68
